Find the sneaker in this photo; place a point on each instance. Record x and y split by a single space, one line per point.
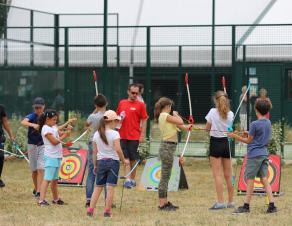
218 206
87 204
128 184
43 203
242 209
168 207
230 205
58 202
2 185
90 212
34 192
172 206
37 195
272 209
133 182
107 214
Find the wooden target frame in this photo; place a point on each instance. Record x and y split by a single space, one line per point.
274 177
73 167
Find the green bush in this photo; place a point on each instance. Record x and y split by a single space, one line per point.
144 149
278 138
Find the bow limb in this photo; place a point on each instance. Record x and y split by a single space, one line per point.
242 99
224 84
95 82
191 119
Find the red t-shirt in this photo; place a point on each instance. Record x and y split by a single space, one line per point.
134 112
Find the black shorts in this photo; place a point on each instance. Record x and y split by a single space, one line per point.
130 149
219 147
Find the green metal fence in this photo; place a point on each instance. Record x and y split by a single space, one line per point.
43 55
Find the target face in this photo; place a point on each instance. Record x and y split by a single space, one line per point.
271 177
274 171
72 167
152 173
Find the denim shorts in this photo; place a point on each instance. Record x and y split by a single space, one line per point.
107 172
256 167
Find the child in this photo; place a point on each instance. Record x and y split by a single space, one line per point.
100 103
169 126
107 151
35 144
52 155
4 124
257 155
218 120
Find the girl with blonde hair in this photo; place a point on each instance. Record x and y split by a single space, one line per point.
218 120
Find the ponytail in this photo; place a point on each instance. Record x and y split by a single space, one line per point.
222 104
41 121
101 131
159 105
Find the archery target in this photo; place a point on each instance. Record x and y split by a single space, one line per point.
274 175
73 166
70 167
152 173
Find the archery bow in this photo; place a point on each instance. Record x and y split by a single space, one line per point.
230 128
191 119
19 150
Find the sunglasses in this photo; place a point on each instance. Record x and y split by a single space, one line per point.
134 93
50 114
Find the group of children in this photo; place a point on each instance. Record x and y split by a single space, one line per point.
105 152
218 120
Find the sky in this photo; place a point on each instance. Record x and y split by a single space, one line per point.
170 12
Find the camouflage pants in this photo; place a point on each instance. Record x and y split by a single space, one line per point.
166 155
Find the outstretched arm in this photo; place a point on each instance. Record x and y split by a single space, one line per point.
7 127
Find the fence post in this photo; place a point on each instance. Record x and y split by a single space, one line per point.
56 39
179 94
104 66
31 39
282 112
148 79
66 74
233 80
5 37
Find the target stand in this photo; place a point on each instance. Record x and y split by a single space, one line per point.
274 178
72 168
151 176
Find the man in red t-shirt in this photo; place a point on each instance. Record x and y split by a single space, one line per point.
133 129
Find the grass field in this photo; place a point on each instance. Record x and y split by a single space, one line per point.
18 207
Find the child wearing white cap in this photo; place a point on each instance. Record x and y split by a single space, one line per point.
106 155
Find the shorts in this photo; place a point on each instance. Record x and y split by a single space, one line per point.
107 172
219 147
256 167
36 157
52 168
130 149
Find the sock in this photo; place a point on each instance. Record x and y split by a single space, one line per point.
246 205
271 204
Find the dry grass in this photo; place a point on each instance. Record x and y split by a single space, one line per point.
18 207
